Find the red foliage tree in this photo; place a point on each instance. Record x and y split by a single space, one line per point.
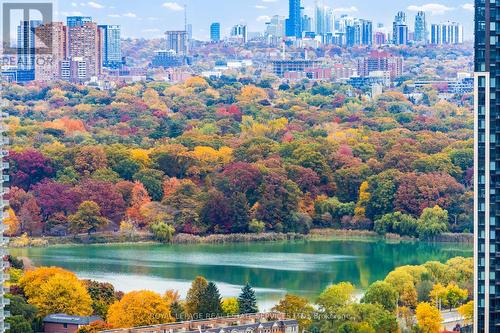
419 191
29 167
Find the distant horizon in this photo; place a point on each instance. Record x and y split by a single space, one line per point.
162 15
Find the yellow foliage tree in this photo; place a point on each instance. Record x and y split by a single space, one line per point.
428 318
251 94
33 280
438 294
139 308
467 311
196 82
364 198
230 306
63 294
12 223
141 156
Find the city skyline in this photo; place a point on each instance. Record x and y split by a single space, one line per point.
163 15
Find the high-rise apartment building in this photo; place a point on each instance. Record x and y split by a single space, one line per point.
26 49
320 17
77 21
111 45
420 28
85 44
239 33
294 21
447 33
215 32
486 161
400 29
359 33
177 41
48 66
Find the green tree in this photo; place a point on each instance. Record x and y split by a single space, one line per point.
102 295
195 295
152 181
19 324
247 301
210 302
162 232
432 222
87 218
382 293
397 222
336 296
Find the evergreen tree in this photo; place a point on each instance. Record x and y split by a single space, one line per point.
210 302
194 297
247 300
177 311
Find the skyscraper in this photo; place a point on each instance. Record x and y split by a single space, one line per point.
486 176
48 66
420 28
239 33
400 29
215 32
85 44
177 41
447 33
26 49
294 21
320 17
111 45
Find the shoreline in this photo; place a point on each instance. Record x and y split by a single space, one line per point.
147 238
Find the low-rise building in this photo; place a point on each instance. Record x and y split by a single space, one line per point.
62 323
273 322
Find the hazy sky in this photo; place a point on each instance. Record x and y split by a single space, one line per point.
150 18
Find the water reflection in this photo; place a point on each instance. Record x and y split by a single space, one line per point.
302 267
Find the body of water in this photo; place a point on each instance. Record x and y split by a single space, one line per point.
273 269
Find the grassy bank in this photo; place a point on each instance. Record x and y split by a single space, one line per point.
145 237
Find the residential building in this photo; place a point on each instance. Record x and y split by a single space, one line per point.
293 23
447 33
281 67
48 66
380 61
239 33
26 49
215 32
62 323
167 59
400 29
249 323
420 35
486 168
85 43
111 46
177 41
77 21
320 17
275 28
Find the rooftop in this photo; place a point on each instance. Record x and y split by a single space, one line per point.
60 318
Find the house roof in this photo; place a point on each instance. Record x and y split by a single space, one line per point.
249 327
60 318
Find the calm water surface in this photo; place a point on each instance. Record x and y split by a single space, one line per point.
299 267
